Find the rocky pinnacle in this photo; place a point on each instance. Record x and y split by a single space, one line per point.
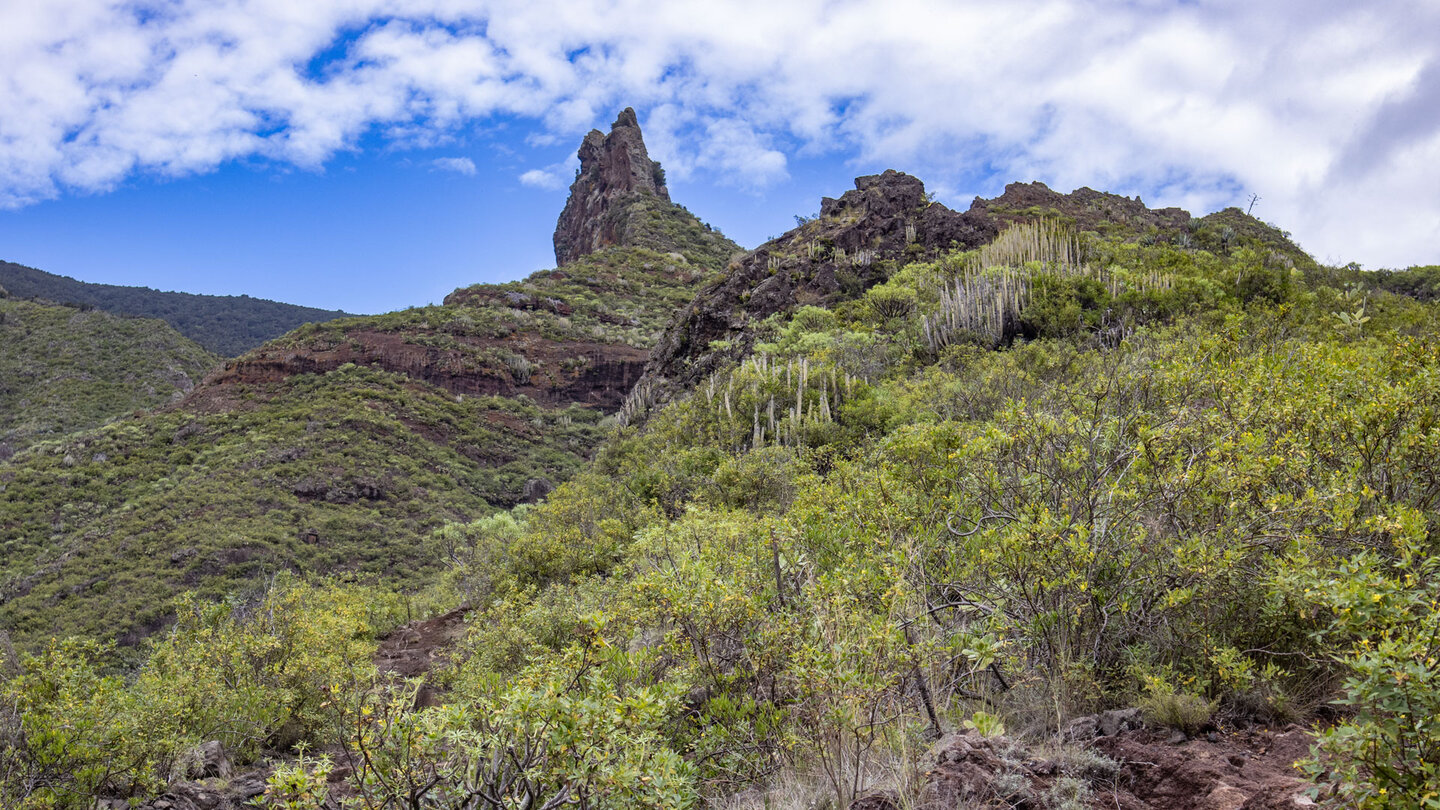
612 167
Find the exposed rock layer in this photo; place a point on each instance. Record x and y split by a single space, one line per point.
602 380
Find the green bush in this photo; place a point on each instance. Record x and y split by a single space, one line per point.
1381 613
1178 710
76 734
557 735
301 785
256 675
252 675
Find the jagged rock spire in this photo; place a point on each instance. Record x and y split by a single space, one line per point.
612 167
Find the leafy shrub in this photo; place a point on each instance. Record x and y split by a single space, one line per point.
250 675
301 785
1179 710
558 735
1261 279
1061 306
255 675
74 733
1383 616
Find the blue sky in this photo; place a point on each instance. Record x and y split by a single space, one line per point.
373 230
374 154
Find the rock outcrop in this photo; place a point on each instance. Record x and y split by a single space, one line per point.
1084 208
853 244
576 335
614 169
856 241
553 373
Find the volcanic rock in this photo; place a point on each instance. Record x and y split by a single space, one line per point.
613 168
1084 208
853 244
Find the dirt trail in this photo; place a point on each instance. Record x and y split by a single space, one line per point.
1253 769
412 650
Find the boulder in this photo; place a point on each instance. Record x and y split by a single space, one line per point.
207 760
967 771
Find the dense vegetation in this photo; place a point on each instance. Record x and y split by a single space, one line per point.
224 324
999 490
63 369
345 467
345 471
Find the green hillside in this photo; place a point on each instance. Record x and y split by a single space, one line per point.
224 324
1002 490
870 492
63 369
337 448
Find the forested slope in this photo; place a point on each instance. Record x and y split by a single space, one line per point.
224 324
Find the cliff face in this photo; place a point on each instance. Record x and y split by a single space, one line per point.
614 169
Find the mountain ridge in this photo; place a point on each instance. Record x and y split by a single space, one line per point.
226 325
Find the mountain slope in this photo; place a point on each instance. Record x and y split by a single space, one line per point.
63 369
909 523
224 324
339 447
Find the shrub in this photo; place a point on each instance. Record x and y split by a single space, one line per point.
1384 617
1179 710
256 675
75 734
301 785
557 735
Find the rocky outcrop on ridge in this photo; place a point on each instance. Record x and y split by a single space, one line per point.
614 169
1084 208
855 242
579 334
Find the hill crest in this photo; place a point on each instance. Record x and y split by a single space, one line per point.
226 325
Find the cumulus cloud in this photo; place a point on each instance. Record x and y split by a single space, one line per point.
464 166
540 178
553 177
1327 109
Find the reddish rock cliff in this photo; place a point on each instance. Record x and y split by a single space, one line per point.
613 169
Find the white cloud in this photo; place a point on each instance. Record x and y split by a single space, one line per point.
1326 108
553 177
463 165
539 178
